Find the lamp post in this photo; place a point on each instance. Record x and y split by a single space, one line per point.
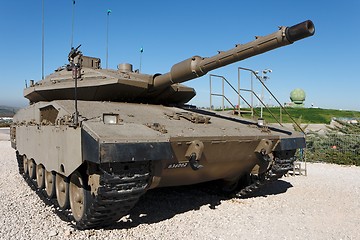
263 78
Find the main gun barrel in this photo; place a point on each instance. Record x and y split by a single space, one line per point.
198 66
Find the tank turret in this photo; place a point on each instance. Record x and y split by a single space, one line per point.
126 85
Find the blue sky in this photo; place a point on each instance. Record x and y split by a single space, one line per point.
326 65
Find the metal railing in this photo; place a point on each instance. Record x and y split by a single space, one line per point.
239 95
223 93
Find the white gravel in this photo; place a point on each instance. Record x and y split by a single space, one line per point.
323 205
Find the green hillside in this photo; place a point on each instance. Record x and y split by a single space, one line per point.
308 115
7 111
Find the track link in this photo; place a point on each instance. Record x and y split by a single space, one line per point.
117 194
277 170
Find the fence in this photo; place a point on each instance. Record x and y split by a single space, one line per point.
333 148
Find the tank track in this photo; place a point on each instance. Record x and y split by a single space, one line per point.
277 170
116 196
20 163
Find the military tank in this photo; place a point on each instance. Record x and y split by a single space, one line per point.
97 139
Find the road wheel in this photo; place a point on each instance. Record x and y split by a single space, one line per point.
25 165
50 184
40 176
31 168
62 191
80 197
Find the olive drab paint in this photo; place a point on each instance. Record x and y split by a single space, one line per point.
119 133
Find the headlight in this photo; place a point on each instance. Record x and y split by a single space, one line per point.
110 118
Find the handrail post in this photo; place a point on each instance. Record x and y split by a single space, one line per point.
239 111
211 107
252 96
223 94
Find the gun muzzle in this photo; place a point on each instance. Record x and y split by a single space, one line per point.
300 31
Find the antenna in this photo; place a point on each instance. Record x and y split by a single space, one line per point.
43 42
75 63
76 114
72 25
107 37
141 51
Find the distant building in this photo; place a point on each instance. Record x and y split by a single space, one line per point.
6 119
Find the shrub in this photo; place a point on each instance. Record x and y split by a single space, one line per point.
339 145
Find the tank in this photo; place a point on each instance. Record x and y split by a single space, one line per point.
95 140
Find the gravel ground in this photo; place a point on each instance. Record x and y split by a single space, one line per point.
323 205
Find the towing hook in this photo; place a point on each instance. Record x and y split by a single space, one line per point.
263 151
265 156
194 164
194 153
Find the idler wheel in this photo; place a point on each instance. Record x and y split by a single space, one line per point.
229 186
25 165
50 184
31 168
40 176
79 196
62 191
